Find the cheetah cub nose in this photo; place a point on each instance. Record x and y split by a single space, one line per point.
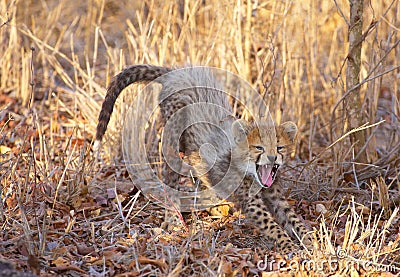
272 158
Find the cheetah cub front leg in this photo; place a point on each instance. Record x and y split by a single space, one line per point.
284 214
274 217
258 214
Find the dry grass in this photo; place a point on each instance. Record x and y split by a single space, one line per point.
64 212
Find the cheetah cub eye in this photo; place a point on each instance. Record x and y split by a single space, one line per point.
259 148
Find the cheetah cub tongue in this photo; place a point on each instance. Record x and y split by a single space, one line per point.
268 174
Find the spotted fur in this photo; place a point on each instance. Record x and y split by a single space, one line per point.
244 155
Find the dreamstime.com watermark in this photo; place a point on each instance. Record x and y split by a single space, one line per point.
339 262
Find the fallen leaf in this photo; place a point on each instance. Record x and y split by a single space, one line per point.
227 268
4 149
111 193
143 260
320 209
101 200
83 249
34 264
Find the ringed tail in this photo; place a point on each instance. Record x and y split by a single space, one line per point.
130 75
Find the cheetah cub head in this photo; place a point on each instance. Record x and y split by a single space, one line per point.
263 147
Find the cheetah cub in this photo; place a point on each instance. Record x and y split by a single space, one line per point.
245 155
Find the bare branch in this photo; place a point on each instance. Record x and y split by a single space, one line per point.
368 78
6 22
341 13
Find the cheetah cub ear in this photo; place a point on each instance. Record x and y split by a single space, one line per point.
240 130
287 132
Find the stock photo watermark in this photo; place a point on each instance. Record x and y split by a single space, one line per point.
340 261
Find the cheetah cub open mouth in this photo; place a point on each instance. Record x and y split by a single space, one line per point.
267 174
